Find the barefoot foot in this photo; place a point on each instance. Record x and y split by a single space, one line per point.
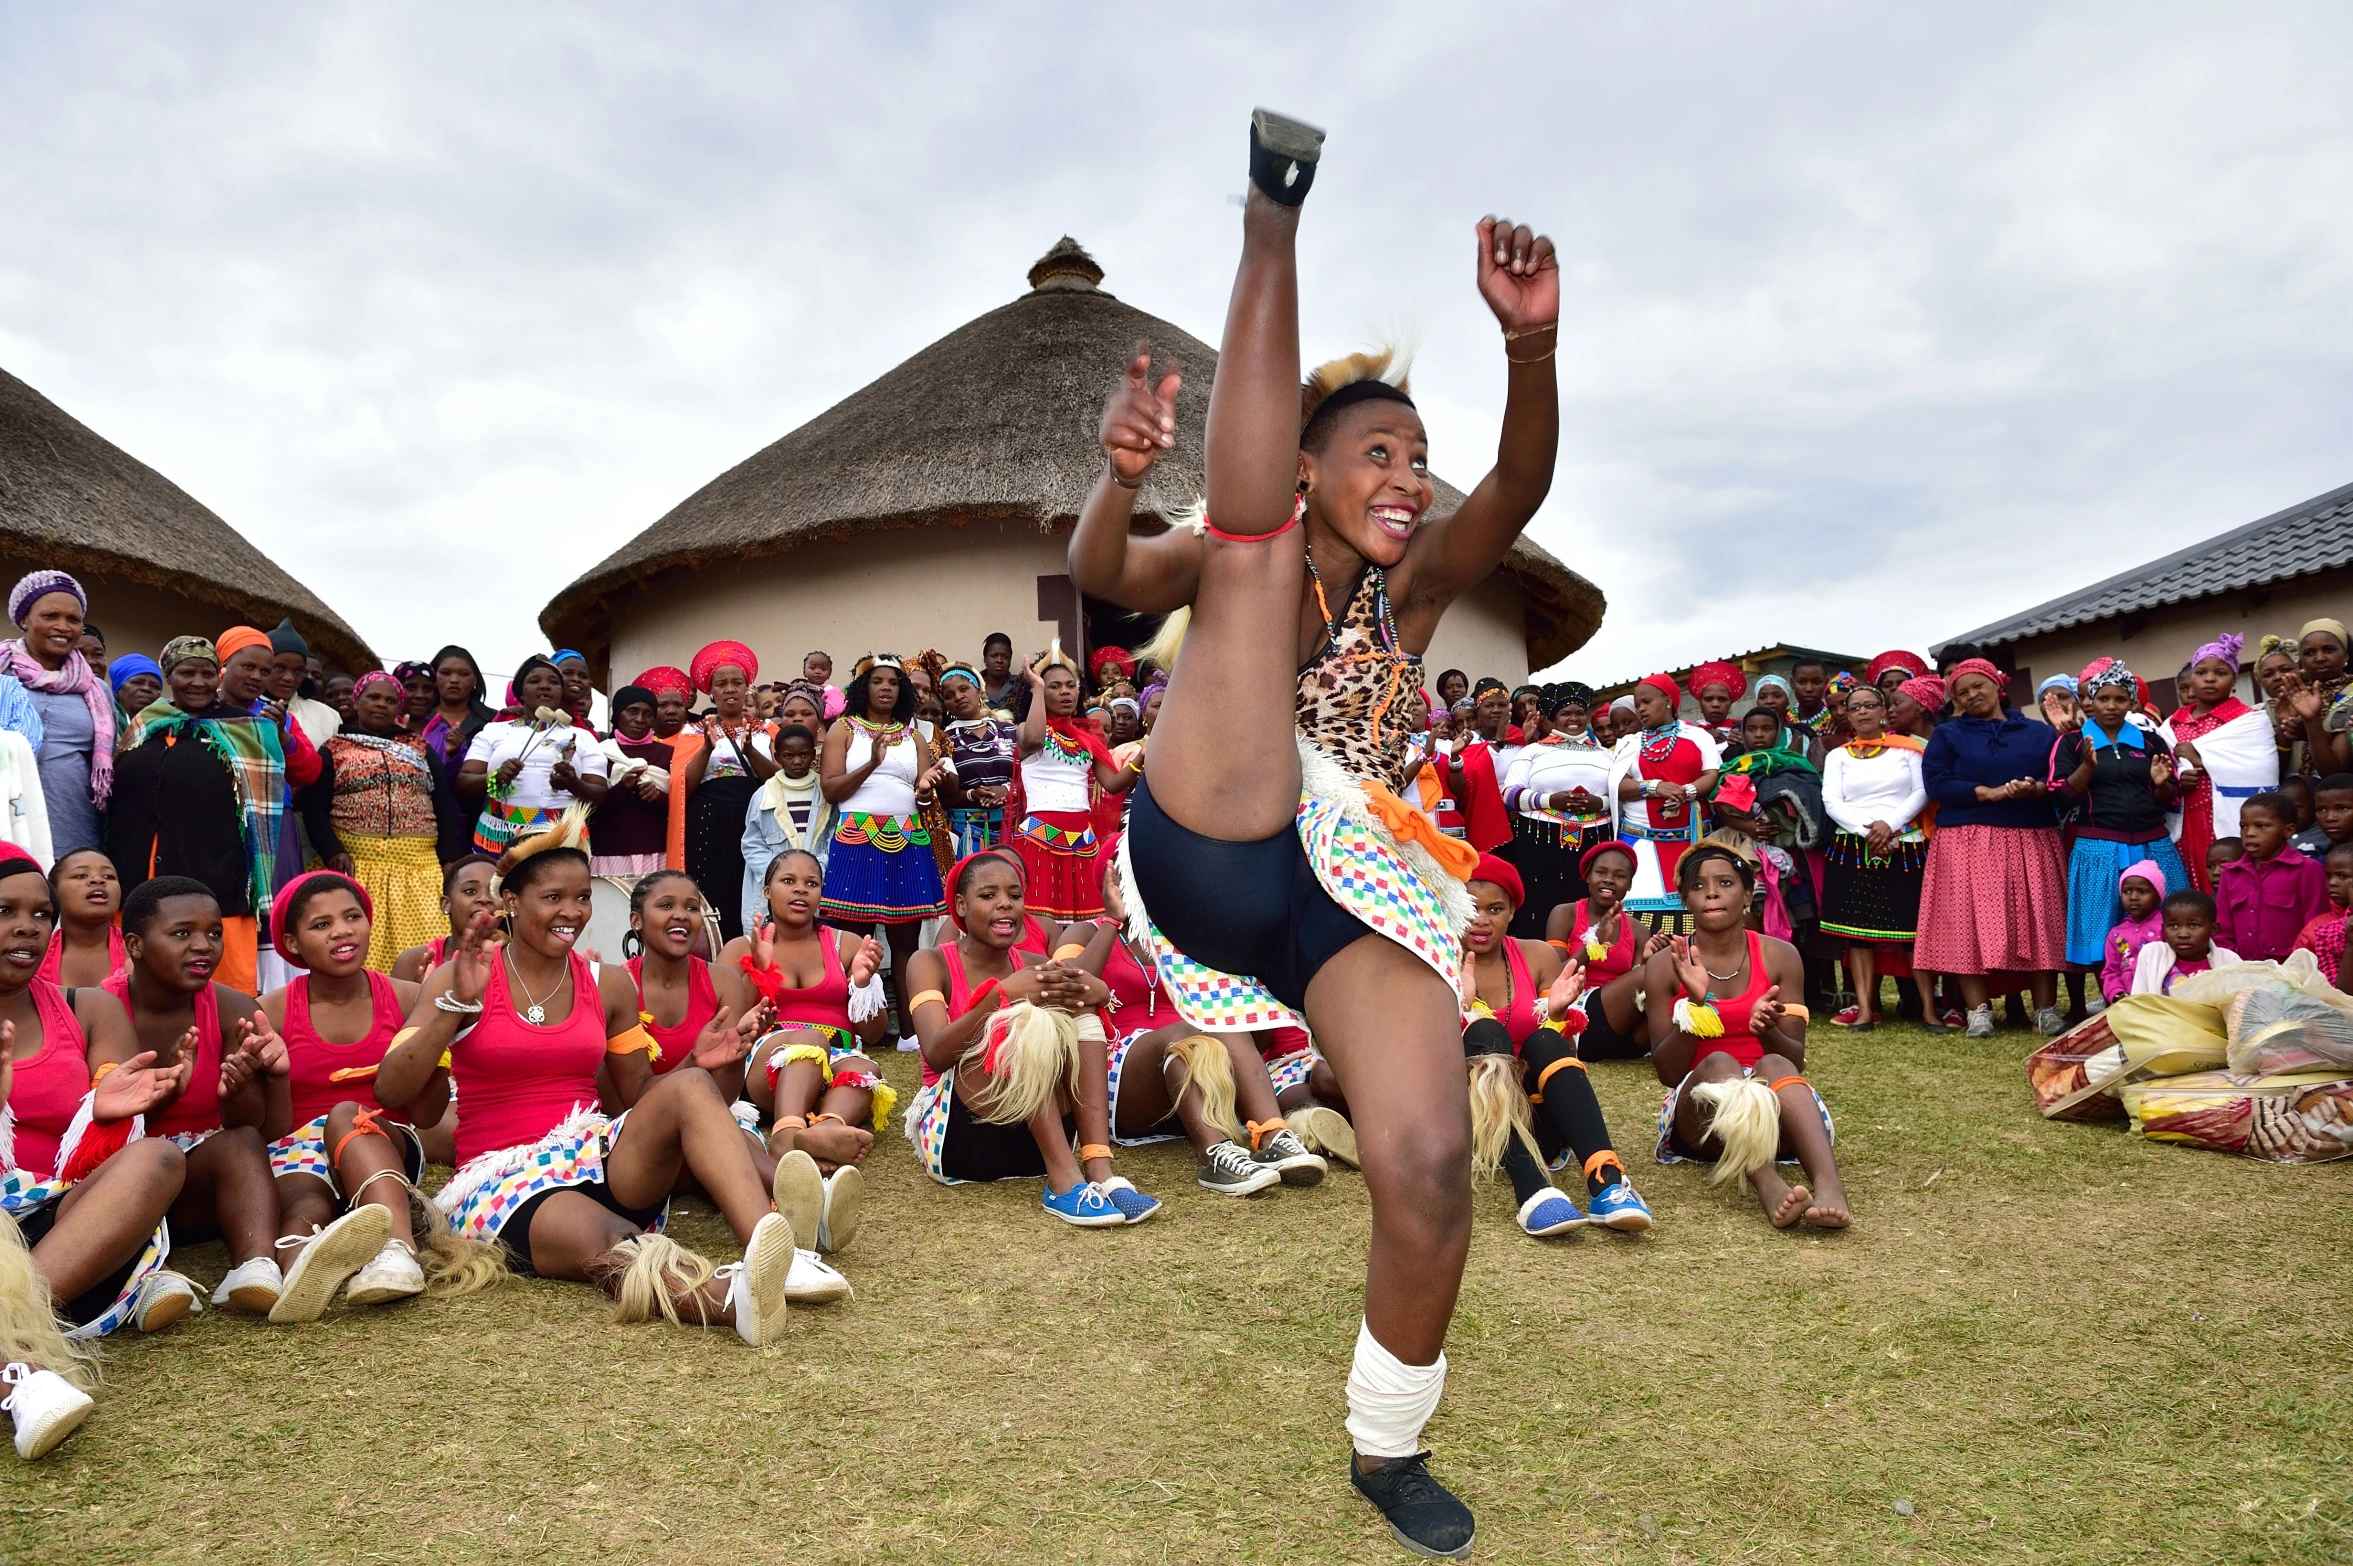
1784 1203
833 1144
1829 1211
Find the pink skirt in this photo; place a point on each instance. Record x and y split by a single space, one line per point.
1993 900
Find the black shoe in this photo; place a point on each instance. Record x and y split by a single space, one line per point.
1423 1514
1283 154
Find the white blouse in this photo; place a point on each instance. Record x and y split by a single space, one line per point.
889 790
540 750
1858 790
1547 769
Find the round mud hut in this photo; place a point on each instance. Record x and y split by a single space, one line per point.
933 507
154 561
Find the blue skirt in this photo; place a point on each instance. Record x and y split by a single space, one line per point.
2093 908
865 884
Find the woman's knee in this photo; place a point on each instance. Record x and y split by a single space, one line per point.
1774 1067
1716 1066
156 1168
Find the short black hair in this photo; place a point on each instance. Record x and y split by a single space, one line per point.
450 871
2273 804
1808 663
800 731
646 884
149 896
2345 848
2192 900
90 629
315 886
996 639
2336 783
58 868
769 874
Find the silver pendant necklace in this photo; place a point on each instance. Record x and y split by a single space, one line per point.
533 1011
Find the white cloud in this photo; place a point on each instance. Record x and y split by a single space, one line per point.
1881 323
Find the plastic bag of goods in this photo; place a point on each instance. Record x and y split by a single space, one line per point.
2280 1028
2299 1118
2076 1076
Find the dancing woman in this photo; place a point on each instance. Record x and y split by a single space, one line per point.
565 1192
1271 905
1731 1052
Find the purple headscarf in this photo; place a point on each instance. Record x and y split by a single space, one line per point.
2225 647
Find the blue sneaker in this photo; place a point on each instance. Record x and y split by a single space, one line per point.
1083 1205
1134 1206
1617 1207
1548 1213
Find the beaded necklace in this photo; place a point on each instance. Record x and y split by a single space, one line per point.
1659 743
1068 751
1332 623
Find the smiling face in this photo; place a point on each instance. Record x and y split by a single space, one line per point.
331 933
338 693
52 628
138 691
468 895
541 687
552 908
578 692
1368 477
989 904
668 915
1491 911
796 883
181 946
417 696
26 921
1607 880
196 684
89 890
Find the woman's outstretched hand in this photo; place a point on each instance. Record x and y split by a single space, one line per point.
1518 276
1139 421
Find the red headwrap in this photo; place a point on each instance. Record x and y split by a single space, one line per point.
1724 674
662 679
1502 874
1978 666
1118 657
1896 658
717 656
961 867
1665 684
283 937
1738 792
1926 689
1608 845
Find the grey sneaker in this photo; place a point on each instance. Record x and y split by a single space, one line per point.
1289 1158
2048 1021
1230 1171
1981 1021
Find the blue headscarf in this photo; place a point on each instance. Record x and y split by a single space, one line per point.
128 665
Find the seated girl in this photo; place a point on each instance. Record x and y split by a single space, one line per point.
2186 946
1166 1078
564 1191
813 1076
83 1248
238 1084
1731 1052
1529 1093
1004 1073
344 1147
1613 945
87 949
465 892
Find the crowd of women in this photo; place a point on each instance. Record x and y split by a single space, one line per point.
283 938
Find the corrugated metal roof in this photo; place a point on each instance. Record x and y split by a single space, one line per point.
2314 536
1777 650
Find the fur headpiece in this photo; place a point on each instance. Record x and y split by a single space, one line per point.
1357 378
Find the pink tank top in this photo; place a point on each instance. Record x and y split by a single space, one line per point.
1519 1015
53 961
198 1108
1621 952
702 1004
313 1061
1738 1042
825 1004
960 991
519 1080
48 1088
1135 994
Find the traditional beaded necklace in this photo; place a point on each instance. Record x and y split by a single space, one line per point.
1332 623
1659 743
1065 749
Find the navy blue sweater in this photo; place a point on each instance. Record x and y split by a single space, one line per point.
1966 752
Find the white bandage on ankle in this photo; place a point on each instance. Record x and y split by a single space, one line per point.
1388 1400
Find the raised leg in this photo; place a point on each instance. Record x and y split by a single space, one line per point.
682 1124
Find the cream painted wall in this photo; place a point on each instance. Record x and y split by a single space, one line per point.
135 618
944 587
2158 649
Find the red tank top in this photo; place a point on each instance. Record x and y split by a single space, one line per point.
53 961
519 1080
1621 952
198 1108
1519 1014
1738 1042
313 1061
1034 936
48 1088
960 990
825 1004
702 1004
1135 994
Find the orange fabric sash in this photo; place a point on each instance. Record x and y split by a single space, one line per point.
1408 825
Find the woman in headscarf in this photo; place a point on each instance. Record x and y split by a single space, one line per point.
981 751
2300 682
1776 696
1912 708
2057 697
720 769
1658 776
76 747
416 679
631 823
2225 752
579 684
531 764
202 795
372 818
1475 771
1893 667
1716 686
2122 778
1557 790
1994 897
1878 855
137 680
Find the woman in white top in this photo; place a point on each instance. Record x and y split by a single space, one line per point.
879 770
1049 815
526 769
1878 852
1557 791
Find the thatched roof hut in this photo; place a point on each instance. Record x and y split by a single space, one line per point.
154 561
970 457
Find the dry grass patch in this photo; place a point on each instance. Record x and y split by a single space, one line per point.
2049 1343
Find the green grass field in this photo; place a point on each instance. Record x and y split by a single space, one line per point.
2039 1342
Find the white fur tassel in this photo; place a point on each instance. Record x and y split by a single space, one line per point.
866 1001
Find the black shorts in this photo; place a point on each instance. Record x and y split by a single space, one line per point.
91 1303
515 1233
975 1149
1252 909
1600 1041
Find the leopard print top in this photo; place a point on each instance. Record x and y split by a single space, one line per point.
1356 695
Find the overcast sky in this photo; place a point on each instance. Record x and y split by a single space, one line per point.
1881 321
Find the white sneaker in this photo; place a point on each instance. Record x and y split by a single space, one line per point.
845 1200
254 1285
328 1257
393 1275
756 1286
814 1282
47 1408
798 1191
910 1044
164 1297
1327 1131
